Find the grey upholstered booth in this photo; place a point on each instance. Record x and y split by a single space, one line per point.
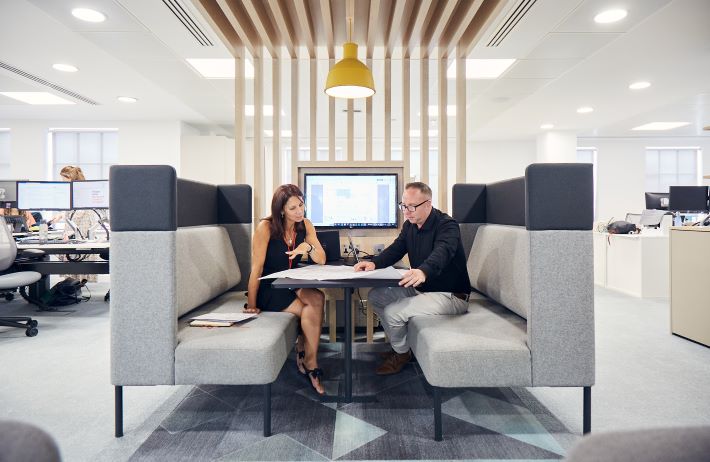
180 247
530 321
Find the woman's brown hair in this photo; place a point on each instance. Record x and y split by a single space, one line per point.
72 173
276 220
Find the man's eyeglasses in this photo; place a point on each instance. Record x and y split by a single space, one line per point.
410 208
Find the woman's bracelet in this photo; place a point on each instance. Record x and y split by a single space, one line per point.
311 249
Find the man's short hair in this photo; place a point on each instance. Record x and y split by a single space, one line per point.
422 187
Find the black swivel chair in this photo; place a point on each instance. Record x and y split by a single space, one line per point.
10 281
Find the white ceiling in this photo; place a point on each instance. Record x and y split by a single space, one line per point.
565 60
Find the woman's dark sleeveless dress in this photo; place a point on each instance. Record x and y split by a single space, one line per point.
268 298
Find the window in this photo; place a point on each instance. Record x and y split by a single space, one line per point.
589 156
93 151
672 167
5 169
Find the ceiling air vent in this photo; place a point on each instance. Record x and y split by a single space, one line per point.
51 85
517 14
189 22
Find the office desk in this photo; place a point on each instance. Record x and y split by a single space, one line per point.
635 264
690 274
348 285
46 267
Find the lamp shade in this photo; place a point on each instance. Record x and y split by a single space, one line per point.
349 77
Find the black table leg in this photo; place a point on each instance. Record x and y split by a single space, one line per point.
347 348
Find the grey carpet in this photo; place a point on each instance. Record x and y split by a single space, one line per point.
224 422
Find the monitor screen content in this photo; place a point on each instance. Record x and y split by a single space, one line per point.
8 194
688 198
43 195
89 194
656 201
351 200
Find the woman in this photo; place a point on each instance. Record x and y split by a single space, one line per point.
84 220
280 241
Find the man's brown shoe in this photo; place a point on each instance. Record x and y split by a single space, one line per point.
386 354
394 363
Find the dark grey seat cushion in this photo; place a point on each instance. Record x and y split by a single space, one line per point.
485 347
250 353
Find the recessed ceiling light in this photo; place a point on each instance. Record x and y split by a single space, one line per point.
661 126
639 85
609 16
481 68
64 67
219 68
88 15
547 126
585 110
127 99
36 97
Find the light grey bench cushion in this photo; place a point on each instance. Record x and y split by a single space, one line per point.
248 353
499 266
485 347
205 265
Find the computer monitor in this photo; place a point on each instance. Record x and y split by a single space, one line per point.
688 198
91 194
351 200
657 201
43 195
8 194
330 241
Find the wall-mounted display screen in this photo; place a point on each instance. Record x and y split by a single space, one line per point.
351 200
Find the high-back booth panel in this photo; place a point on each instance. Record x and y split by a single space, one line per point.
530 261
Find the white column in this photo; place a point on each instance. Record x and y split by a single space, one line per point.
557 147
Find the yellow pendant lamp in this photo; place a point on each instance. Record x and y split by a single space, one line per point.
350 77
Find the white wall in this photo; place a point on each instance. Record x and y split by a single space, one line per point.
621 164
138 143
557 147
488 161
209 159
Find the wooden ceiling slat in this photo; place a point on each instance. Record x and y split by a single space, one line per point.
284 25
423 17
306 25
438 25
395 28
487 13
236 16
373 16
219 23
327 17
465 14
262 24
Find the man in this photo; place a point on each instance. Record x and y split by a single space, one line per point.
437 282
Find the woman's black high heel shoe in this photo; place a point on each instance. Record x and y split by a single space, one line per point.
316 374
300 362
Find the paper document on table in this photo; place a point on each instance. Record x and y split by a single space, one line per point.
332 273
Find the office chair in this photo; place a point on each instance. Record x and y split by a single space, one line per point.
10 281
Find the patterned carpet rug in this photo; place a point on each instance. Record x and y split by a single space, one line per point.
225 422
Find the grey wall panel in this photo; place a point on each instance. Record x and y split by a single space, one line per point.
197 203
559 196
240 235
143 307
234 203
469 203
505 202
143 198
